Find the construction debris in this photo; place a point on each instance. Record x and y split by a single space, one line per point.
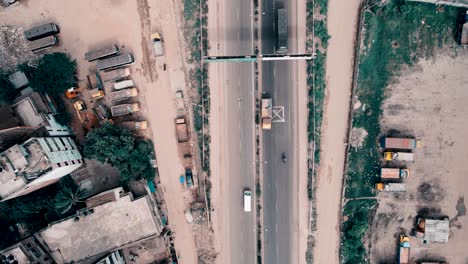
14 49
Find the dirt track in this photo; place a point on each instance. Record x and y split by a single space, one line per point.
342 19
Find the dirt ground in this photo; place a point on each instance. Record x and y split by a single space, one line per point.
88 24
428 101
342 23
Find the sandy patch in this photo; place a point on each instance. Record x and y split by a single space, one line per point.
428 101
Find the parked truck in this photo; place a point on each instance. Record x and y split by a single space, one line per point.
102 112
398 143
282 31
97 93
391 174
391 187
267 107
157 44
94 81
399 156
404 252
123 84
125 109
134 125
114 75
123 94
181 130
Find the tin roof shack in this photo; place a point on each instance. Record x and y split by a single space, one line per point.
36 163
432 230
93 232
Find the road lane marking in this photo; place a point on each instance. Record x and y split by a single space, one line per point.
277 114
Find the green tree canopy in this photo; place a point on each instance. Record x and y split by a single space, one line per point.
118 147
69 197
54 74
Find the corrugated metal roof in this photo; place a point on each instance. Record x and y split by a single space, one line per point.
436 230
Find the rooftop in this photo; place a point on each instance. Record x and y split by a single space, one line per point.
436 230
18 79
31 108
100 229
28 161
15 253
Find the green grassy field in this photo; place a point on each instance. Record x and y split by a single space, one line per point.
396 35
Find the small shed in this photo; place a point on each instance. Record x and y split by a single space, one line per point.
436 230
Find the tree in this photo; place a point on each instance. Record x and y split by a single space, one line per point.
7 90
118 147
69 197
54 74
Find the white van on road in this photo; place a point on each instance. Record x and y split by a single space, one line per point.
247 201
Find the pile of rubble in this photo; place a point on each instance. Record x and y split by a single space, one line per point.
13 48
203 235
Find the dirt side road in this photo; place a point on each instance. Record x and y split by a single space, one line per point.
342 19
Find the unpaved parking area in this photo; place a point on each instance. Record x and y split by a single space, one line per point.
428 101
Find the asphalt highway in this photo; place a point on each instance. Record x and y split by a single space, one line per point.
278 176
238 84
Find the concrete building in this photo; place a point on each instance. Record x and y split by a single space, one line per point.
18 79
36 110
27 251
12 130
112 220
436 230
115 257
36 163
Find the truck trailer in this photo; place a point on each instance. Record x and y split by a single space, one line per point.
43 43
114 75
399 156
181 130
404 251
125 109
282 31
94 81
398 143
134 125
123 84
41 31
267 112
390 173
114 62
123 94
391 187
103 52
